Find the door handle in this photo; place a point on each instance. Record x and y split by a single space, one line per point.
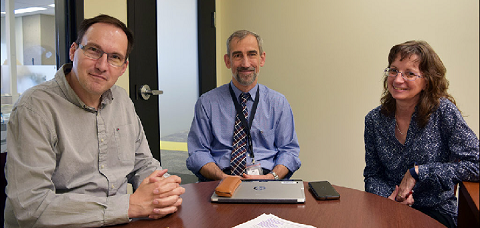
146 92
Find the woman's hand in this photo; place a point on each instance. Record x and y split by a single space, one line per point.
406 186
403 199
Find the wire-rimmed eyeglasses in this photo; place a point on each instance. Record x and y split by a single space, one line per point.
408 75
93 52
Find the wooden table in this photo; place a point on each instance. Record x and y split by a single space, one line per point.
468 212
354 209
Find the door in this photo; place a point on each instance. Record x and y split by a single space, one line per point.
186 48
143 68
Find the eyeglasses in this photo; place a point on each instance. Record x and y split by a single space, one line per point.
409 76
113 59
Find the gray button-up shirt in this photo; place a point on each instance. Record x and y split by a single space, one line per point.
68 164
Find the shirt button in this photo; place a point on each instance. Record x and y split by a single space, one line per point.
113 186
101 140
102 166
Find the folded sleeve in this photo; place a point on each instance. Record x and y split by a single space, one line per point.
286 140
199 140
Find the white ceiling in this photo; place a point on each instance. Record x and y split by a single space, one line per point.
32 3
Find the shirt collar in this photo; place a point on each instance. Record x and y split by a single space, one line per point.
61 79
252 92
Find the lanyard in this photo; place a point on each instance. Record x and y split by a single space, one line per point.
246 125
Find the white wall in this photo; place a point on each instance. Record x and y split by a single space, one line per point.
327 58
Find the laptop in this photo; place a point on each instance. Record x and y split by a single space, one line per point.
265 191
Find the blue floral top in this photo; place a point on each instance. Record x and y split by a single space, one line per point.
446 150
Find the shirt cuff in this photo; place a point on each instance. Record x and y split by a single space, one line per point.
413 173
117 210
197 160
291 162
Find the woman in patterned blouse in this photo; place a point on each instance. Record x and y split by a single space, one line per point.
417 144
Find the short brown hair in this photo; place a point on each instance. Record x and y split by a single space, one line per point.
433 71
102 18
241 34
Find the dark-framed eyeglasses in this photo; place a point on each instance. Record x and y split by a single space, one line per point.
409 76
93 52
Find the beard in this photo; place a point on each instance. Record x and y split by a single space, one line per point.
246 80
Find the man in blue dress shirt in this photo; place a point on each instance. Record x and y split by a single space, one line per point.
271 141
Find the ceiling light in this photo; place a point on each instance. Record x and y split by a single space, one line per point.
52 5
29 10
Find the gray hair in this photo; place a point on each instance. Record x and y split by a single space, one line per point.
240 34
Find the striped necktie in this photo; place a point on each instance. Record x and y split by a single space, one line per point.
238 158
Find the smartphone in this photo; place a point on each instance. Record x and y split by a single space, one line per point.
323 190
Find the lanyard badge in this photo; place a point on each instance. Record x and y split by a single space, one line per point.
252 168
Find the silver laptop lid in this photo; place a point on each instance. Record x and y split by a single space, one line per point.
265 191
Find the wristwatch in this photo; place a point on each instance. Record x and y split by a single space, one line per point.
275 176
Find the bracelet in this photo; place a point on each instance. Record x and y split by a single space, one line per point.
413 173
275 176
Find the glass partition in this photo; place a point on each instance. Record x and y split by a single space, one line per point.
27 51
178 78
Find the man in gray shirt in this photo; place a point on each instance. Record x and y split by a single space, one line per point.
75 142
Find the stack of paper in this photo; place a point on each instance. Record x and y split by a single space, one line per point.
271 221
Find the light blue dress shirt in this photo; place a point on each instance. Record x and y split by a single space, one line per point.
273 130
